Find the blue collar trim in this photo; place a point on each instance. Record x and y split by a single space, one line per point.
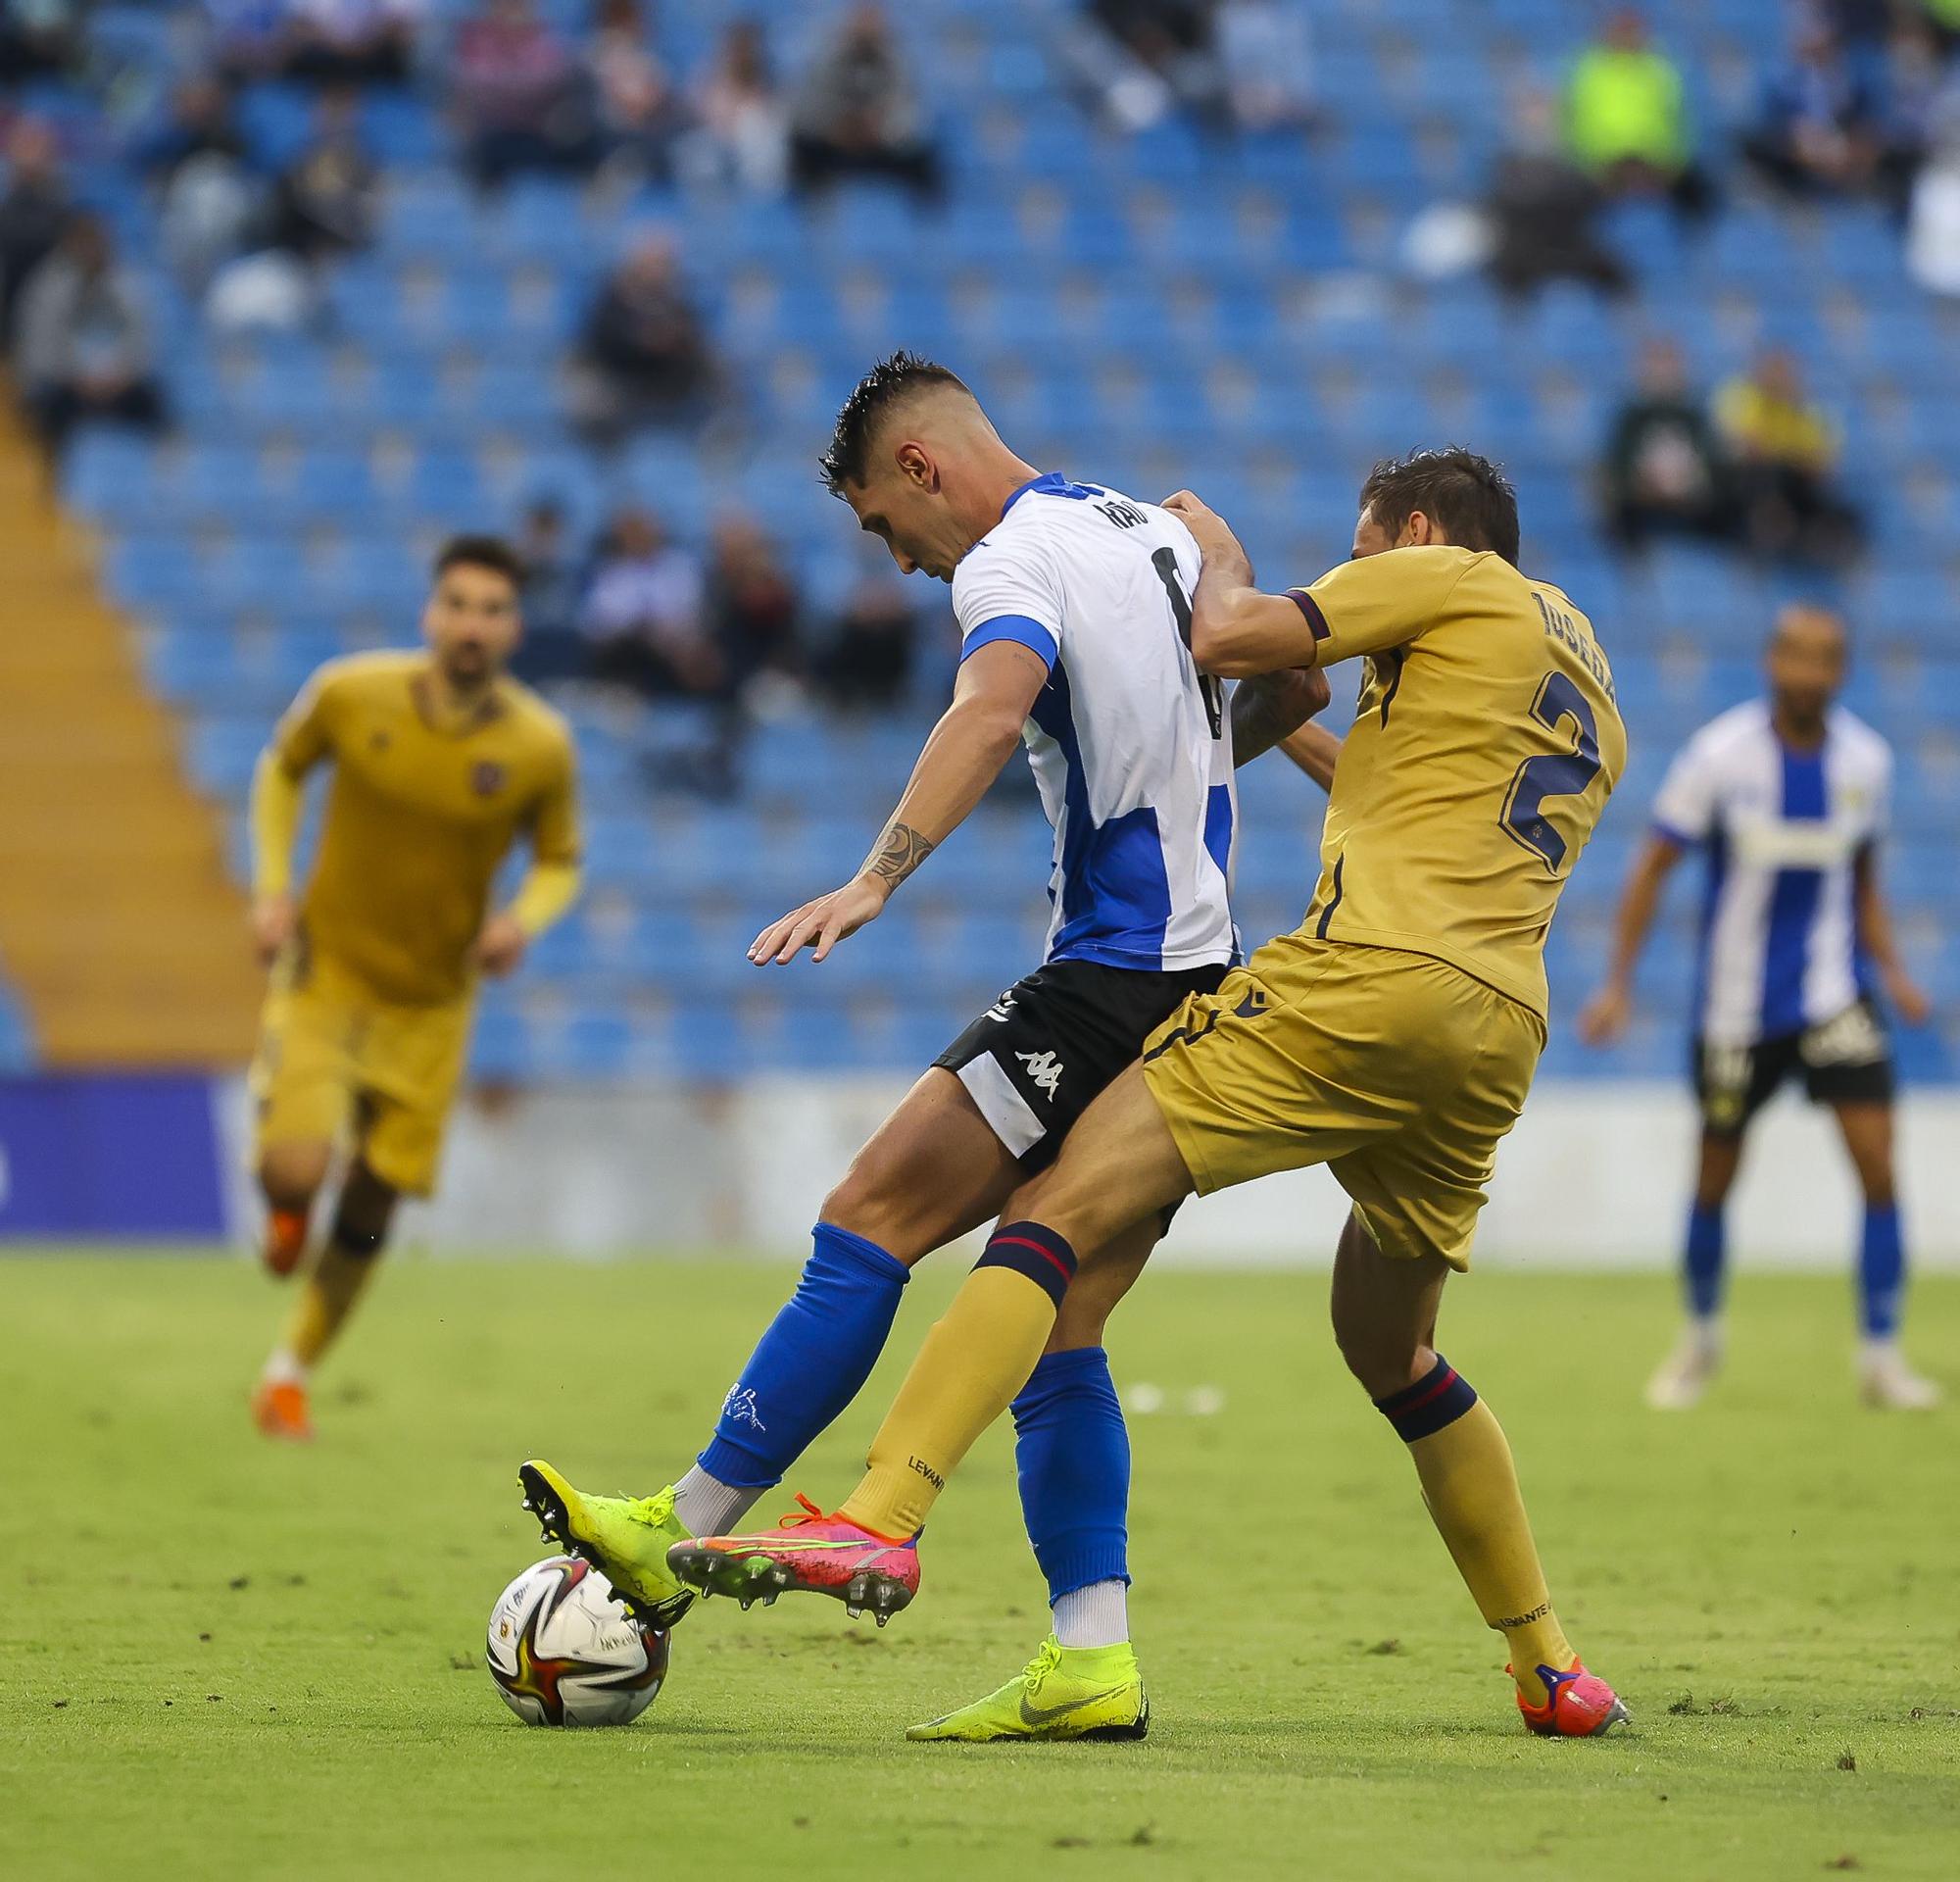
1052 483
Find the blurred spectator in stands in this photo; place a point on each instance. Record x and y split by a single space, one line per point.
243 39
641 114
81 346
744 132
351 42
554 646
1265 48
1784 448
1932 227
201 120
752 611
517 92
857 113
210 195
35 208
1141 60
643 358
1818 128
643 616
1542 210
1944 16
325 202
867 664
1625 118
40 40
1664 472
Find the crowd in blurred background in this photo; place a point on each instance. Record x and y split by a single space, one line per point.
290 289
1859 98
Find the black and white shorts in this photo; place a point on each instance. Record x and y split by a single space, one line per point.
1037 1056
1845 1061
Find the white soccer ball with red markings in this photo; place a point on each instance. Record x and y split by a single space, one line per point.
564 1651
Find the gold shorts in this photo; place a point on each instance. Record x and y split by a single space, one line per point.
1396 1071
336 1064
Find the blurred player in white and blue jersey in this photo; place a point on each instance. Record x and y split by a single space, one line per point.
1073 605
1789 798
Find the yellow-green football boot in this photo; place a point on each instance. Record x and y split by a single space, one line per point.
1063 1691
625 1538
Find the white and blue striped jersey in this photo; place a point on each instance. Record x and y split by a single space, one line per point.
1131 745
1784 831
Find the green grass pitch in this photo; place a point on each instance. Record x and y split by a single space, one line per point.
226 1659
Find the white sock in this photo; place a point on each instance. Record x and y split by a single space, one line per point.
283 1369
706 1506
1097 1616
1706 1330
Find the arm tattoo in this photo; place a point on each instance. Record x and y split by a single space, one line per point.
1258 719
899 851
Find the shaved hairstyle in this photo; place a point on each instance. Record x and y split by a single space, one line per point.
879 394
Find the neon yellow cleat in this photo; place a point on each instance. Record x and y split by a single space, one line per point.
625 1538
1064 1692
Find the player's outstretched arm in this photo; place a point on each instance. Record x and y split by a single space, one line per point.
1605 1016
1271 707
975 736
1236 632
1881 943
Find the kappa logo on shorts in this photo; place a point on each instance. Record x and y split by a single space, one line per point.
739 1407
1253 1006
1045 1070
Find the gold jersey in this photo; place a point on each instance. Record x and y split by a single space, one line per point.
419 816
1485 745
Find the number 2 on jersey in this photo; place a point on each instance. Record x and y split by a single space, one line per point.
1165 561
1552 774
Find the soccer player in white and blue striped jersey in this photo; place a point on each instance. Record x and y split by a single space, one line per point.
1788 797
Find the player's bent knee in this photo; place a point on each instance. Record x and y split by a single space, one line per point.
290 1175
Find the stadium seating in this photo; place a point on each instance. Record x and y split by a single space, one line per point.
1169 309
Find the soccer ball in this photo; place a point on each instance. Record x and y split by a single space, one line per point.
564 1651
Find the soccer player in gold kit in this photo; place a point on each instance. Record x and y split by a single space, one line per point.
441 762
1392 1038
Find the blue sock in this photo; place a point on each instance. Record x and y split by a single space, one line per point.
810 1364
1881 1272
1703 1263
1072 1454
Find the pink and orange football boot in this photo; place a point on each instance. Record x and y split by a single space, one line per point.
279 1409
1577 1705
284 1241
809 1554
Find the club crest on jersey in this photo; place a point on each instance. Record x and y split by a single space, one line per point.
1003 1008
488 778
1045 1070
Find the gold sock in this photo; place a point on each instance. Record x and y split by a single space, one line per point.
1471 1487
967 1372
326 1298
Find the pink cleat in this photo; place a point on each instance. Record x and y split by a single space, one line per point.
810 1553
1577 1705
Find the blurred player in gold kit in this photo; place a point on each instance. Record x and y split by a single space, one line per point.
441 762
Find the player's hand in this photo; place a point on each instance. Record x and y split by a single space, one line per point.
1211 530
1603 1018
500 948
1914 1004
1303 691
821 925
273 919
